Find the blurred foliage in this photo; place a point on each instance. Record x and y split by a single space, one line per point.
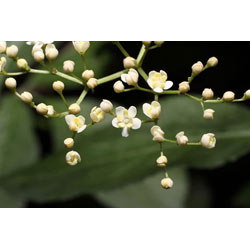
118 171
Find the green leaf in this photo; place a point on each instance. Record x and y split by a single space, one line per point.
7 201
110 161
148 193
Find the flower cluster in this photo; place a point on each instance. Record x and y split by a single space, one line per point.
129 79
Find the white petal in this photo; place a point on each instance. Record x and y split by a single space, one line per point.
156 104
145 107
69 119
119 110
125 132
81 118
115 123
163 73
168 84
151 73
158 90
81 129
132 111
123 77
136 123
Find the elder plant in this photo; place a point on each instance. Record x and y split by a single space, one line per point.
127 80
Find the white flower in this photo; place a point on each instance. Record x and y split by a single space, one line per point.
51 110
131 78
97 114
81 46
181 138
51 52
76 124
3 46
167 183
208 114
2 63
157 133
162 161
126 120
72 158
158 81
152 110
208 140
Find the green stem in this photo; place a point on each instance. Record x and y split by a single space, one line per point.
194 98
121 48
154 47
83 63
111 77
147 121
14 73
143 73
82 96
141 55
131 89
64 100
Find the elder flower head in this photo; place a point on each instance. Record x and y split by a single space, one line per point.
126 120
158 81
72 158
81 46
131 78
157 133
152 110
75 123
208 140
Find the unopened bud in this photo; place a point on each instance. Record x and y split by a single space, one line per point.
208 114
162 161
228 96
197 68
10 83
26 97
212 62
51 110
106 106
129 62
51 52
184 87
92 83
159 42
42 109
38 56
74 108
118 87
12 51
3 46
167 183
207 94
58 86
87 74
22 64
146 43
69 143
247 94
68 66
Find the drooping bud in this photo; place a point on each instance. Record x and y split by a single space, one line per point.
167 183
69 143
162 161
208 114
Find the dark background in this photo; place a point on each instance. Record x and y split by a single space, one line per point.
176 58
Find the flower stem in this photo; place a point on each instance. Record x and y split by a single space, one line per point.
82 96
111 77
141 55
121 48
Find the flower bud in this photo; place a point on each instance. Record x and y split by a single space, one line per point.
92 83
12 51
58 86
51 110
146 43
157 133
129 62
208 140
22 64
228 96
181 138
131 78
159 43
167 183
118 87
207 94
197 68
74 109
10 83
208 114
184 87
26 97
69 143
3 46
97 114
81 46
38 56
42 109
162 161
51 52
212 62
106 106
72 158
68 66
87 74
247 94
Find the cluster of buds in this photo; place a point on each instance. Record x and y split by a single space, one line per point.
124 118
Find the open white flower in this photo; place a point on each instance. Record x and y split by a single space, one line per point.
208 140
131 78
81 46
152 110
181 138
76 124
158 81
157 133
126 120
72 158
2 63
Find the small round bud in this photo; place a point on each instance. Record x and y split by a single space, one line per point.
69 143
247 94
68 66
118 87
228 96
212 62
207 94
167 183
12 51
162 161
184 87
87 74
10 83
146 43
72 158
51 52
58 86
208 114
106 106
38 56
129 62
51 110
208 140
3 46
92 83
74 109
159 43
197 68
22 64
26 97
42 109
